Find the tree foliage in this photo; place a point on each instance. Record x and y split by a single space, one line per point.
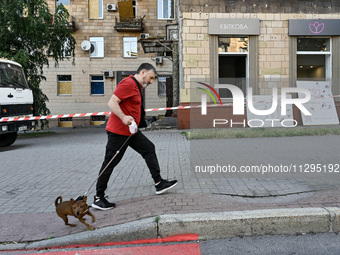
27 30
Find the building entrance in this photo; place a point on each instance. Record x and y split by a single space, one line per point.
232 70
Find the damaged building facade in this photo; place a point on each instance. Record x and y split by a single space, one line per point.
254 44
108 49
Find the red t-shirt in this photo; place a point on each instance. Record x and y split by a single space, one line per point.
127 91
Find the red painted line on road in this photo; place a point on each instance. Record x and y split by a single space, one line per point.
176 238
176 249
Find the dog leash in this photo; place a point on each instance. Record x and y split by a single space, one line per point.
133 129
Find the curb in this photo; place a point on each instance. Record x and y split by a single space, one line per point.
252 223
136 230
205 225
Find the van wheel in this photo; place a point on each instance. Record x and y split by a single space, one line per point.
8 139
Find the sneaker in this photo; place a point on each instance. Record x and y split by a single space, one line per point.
102 204
165 185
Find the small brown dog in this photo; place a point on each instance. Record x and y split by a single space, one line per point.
76 208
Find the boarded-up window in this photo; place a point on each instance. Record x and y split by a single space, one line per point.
127 10
95 9
64 85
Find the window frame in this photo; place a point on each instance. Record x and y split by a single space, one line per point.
128 39
327 54
100 9
67 50
98 43
134 6
160 10
97 81
241 38
161 88
58 88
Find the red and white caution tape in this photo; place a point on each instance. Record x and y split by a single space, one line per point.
172 108
48 117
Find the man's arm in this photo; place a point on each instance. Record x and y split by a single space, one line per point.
115 108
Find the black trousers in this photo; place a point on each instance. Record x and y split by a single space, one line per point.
140 143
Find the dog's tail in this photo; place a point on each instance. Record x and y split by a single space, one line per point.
56 202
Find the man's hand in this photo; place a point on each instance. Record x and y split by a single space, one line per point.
127 120
115 108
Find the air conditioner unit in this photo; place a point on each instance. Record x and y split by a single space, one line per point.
144 36
111 7
109 74
159 60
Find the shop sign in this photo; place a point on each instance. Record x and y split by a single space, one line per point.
316 27
234 26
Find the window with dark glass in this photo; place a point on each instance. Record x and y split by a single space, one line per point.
313 58
97 85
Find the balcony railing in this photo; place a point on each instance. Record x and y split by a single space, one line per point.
129 25
156 45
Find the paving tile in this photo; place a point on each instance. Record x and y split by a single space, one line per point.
68 162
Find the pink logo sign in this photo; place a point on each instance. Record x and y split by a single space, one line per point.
317 27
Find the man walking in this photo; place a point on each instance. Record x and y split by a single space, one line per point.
126 108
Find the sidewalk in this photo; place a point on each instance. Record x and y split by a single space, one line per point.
23 220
